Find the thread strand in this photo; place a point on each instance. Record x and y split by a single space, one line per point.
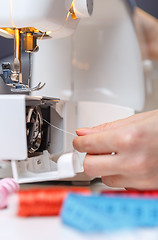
59 128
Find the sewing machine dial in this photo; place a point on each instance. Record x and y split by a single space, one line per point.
34 124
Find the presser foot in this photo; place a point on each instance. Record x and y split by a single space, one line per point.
13 79
21 88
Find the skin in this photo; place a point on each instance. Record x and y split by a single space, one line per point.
125 152
147 32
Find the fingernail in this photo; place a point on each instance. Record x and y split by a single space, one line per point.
81 129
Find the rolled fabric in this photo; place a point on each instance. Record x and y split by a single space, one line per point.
42 201
100 213
8 186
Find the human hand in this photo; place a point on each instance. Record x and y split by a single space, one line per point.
134 141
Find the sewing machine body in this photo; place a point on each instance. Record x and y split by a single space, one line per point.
97 73
44 15
54 158
100 62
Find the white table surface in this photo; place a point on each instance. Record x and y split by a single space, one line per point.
47 228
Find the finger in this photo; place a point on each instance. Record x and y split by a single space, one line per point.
102 165
100 128
113 125
83 131
128 182
99 143
116 181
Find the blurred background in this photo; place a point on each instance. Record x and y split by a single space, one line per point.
150 6
151 71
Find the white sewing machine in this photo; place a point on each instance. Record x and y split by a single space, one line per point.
95 67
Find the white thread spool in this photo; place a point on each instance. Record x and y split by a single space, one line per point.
83 8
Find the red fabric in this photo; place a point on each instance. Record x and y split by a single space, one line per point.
133 193
45 202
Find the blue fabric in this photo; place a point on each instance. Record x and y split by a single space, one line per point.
104 213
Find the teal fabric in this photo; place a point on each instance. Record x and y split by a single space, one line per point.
104 213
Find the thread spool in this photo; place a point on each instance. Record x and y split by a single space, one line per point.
83 8
8 186
41 202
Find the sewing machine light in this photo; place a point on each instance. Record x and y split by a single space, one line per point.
49 32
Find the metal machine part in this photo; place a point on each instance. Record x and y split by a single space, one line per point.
13 76
14 27
34 124
37 124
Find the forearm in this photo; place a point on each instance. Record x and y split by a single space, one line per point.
147 29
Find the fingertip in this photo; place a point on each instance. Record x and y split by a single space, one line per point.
77 144
82 131
74 142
